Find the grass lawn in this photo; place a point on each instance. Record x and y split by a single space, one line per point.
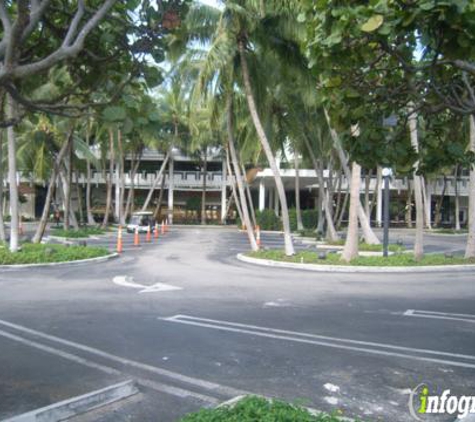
256 409
447 231
396 260
365 247
31 253
77 234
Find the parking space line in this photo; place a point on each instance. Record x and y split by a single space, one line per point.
334 342
203 384
57 352
440 315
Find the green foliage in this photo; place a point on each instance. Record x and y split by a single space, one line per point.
193 203
38 253
256 409
267 220
309 219
77 234
396 260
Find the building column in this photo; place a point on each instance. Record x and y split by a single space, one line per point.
276 202
170 190
223 191
262 195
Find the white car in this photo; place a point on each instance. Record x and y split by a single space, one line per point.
141 221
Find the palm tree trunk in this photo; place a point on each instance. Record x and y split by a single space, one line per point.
470 248
419 241
457 198
350 250
438 205
2 199
426 203
367 205
203 193
90 217
129 206
67 185
105 221
79 195
409 205
368 234
343 208
233 187
158 207
237 172
249 197
40 231
11 114
121 165
331 231
298 211
377 189
289 247
156 180
321 196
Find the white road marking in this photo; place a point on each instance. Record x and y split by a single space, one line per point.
334 342
440 315
175 391
207 385
64 355
125 281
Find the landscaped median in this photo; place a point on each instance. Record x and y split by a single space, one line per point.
321 261
39 254
253 409
82 233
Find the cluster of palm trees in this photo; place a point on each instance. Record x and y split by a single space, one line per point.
239 81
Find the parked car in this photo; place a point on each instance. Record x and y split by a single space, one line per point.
141 221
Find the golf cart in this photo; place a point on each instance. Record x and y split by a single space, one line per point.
141 221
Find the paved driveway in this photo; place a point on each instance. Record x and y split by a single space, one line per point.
195 326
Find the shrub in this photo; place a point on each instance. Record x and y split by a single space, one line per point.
256 409
31 253
76 234
309 219
267 220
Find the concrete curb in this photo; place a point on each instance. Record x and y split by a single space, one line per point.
354 269
80 404
65 263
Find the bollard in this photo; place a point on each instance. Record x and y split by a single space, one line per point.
119 240
148 238
136 237
155 233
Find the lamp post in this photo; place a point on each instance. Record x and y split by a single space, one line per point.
386 173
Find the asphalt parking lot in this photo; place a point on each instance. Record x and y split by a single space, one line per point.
194 326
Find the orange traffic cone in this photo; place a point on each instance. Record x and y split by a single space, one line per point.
258 236
163 226
155 233
136 237
119 240
148 238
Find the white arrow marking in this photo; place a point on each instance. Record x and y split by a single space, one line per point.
160 287
157 287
